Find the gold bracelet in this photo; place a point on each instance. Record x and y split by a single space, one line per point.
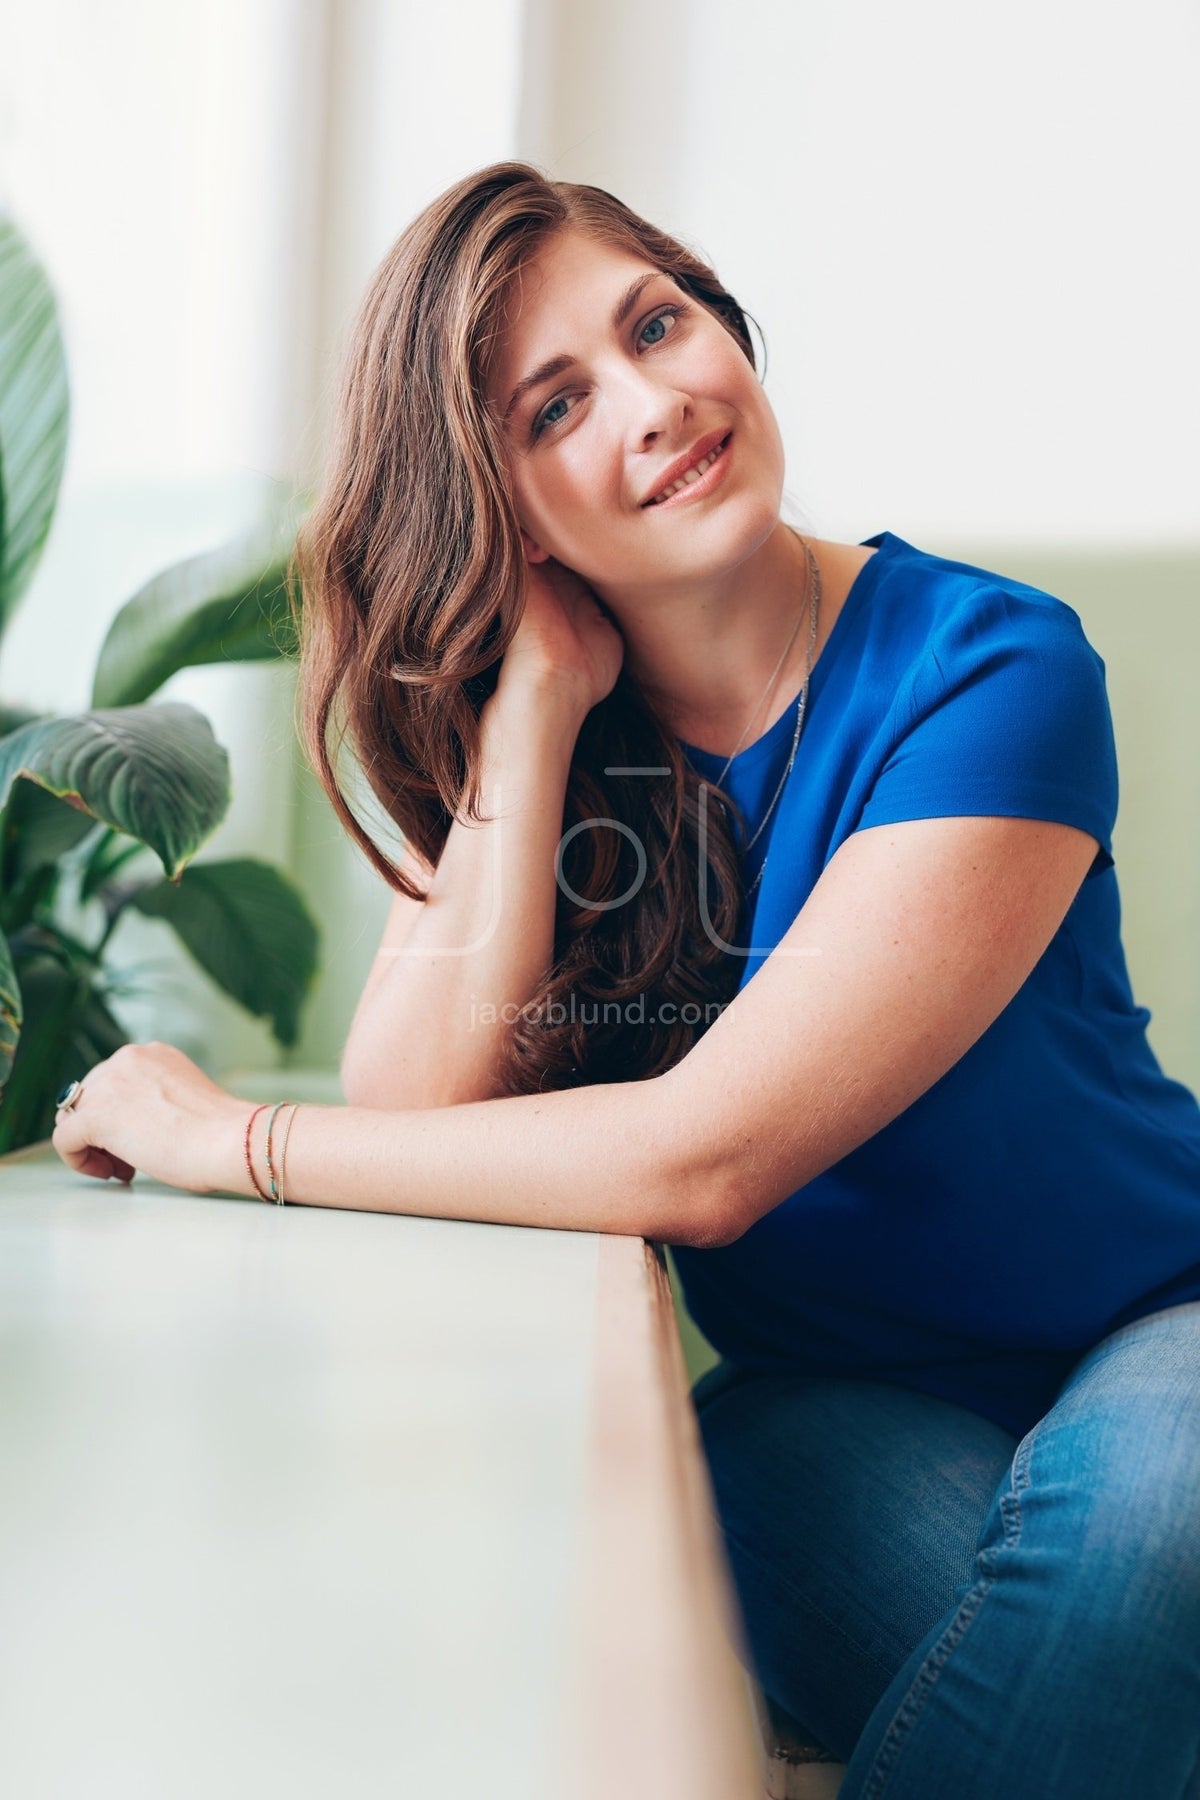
249 1164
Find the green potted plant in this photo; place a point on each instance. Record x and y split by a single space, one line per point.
83 796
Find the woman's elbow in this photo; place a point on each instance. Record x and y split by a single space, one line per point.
698 1199
718 1222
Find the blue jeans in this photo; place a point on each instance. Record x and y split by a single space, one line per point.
961 1616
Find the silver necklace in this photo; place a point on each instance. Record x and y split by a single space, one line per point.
814 585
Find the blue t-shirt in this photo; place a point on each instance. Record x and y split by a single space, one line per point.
1047 1188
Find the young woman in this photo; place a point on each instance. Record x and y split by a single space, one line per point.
756 895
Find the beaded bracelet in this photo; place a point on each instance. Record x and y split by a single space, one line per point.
276 1184
249 1164
271 1182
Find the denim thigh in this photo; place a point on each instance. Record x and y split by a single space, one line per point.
1069 1668
850 1511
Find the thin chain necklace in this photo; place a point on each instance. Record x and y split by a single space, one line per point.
814 586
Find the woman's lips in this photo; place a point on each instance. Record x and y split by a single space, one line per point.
702 486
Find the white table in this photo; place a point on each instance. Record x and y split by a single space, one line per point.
307 1502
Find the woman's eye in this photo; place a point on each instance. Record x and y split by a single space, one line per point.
660 321
549 416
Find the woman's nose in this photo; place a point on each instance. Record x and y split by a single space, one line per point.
653 409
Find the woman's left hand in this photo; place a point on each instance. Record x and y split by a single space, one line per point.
149 1109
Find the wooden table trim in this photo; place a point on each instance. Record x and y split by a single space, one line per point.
662 1707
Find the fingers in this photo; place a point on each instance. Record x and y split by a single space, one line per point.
70 1141
101 1164
104 1166
87 1161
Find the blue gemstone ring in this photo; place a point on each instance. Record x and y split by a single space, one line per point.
69 1097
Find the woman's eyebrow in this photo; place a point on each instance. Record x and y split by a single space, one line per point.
556 365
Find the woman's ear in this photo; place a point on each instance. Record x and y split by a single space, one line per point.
533 551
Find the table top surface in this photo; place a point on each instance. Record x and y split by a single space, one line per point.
292 1495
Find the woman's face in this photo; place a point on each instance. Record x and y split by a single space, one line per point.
634 381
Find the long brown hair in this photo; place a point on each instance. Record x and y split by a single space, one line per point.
412 583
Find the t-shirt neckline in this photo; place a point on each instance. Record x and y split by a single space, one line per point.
882 543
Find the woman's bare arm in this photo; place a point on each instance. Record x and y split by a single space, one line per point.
910 945
622 1157
427 1031
913 941
613 1157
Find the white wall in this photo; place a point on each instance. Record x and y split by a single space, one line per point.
418 96
155 155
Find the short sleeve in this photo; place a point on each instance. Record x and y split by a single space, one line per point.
1005 712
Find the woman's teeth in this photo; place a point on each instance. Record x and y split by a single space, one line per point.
689 475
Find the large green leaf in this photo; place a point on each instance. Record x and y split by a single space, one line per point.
36 828
52 991
10 1011
229 605
34 413
248 927
153 772
67 1029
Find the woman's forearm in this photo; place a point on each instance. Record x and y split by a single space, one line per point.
617 1157
429 1032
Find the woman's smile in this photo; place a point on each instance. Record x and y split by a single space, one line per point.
700 478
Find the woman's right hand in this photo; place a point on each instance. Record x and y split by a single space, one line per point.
565 640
